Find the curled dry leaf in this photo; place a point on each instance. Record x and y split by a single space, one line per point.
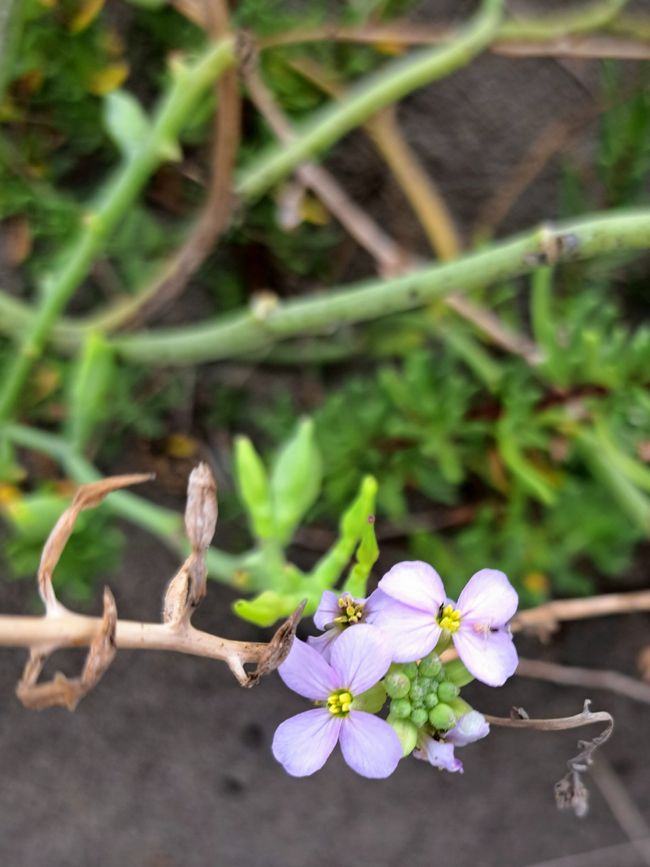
201 511
277 650
68 692
87 497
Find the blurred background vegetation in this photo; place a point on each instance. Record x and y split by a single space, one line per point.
513 432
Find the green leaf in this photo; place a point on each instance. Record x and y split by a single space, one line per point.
254 490
125 121
296 479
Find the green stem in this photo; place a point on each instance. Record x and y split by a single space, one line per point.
188 84
388 86
556 26
163 523
245 332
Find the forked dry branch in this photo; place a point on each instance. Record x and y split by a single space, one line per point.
60 627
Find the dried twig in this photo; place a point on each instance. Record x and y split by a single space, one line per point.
62 628
546 618
570 791
589 678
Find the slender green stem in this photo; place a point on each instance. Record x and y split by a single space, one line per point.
554 26
376 92
188 84
163 523
247 332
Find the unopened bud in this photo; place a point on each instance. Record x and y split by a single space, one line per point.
419 716
442 717
400 708
397 684
201 510
447 691
406 732
431 666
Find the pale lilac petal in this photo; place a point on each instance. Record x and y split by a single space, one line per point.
439 754
360 658
470 727
307 673
416 584
490 656
410 632
488 598
369 745
323 642
328 610
303 743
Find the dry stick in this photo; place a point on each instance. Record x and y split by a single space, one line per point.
62 628
625 811
547 617
389 256
570 791
217 209
590 678
421 194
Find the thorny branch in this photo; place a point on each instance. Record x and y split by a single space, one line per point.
570 791
104 636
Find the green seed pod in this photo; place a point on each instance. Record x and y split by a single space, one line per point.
405 731
431 666
419 717
400 708
410 669
447 691
397 684
456 672
442 717
431 700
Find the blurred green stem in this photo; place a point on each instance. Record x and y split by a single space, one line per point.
167 525
187 86
555 26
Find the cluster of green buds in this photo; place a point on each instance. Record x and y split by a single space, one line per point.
425 696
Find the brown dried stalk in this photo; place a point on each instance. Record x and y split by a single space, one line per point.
545 619
570 791
103 636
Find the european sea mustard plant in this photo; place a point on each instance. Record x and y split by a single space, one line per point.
346 671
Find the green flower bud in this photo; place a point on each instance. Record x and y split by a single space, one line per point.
417 691
460 707
431 666
431 700
410 669
370 701
400 708
406 732
397 684
456 672
442 717
447 691
419 717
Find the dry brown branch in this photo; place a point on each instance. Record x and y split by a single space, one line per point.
589 678
570 791
629 817
61 628
546 618
215 216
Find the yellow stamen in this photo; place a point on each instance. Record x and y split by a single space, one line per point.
449 618
340 702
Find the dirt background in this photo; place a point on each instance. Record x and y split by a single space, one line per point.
167 763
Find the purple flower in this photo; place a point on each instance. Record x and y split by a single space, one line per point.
303 743
336 612
471 727
477 622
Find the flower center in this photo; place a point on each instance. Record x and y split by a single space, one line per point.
351 611
449 618
339 702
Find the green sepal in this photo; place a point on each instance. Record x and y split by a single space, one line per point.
267 608
456 672
406 732
460 707
296 479
254 489
372 700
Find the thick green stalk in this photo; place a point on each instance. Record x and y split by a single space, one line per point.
555 26
167 525
250 332
386 87
188 84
